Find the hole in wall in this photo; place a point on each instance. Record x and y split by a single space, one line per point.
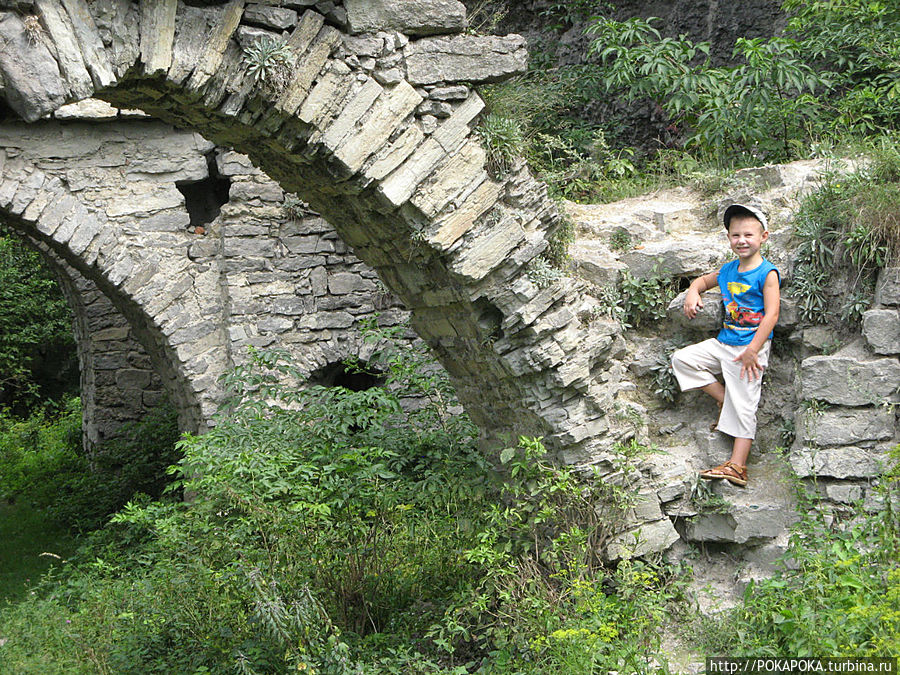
204 198
336 374
489 319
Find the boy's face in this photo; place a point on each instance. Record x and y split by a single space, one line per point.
746 236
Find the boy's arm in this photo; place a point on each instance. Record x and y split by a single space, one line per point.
692 301
772 304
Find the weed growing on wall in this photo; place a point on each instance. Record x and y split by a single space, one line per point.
269 62
848 229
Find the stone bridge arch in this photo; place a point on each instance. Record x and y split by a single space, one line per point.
353 134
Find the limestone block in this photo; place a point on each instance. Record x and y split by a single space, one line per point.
594 262
68 53
128 378
215 44
277 18
33 83
844 494
310 64
844 426
708 319
343 283
402 183
740 525
93 51
845 462
412 17
366 137
487 251
881 328
463 170
393 154
465 58
446 231
675 257
87 109
157 34
647 538
887 292
760 178
844 380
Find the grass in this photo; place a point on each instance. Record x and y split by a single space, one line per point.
27 536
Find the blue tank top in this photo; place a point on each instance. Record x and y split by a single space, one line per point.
742 295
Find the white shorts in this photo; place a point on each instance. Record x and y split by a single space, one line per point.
697 366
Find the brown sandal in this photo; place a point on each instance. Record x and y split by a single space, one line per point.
733 473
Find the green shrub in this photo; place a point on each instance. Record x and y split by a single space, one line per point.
646 299
42 462
847 229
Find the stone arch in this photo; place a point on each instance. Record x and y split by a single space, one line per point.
123 358
415 203
360 133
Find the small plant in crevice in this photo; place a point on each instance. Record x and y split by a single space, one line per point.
542 274
705 499
808 286
621 240
269 62
33 29
557 253
503 140
295 208
665 385
787 432
646 298
852 310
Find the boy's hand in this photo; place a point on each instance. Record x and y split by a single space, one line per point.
750 365
692 303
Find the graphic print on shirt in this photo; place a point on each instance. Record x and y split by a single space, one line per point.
741 318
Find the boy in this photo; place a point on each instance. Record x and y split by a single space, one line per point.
740 352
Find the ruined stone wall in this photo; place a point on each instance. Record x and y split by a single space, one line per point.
282 277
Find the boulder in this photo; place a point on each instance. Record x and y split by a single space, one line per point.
465 58
412 17
887 291
844 426
675 257
881 328
846 462
647 538
708 318
33 83
844 380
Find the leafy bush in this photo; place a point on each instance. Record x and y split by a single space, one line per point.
754 109
42 462
847 229
646 299
340 531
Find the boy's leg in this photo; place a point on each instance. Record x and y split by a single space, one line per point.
738 417
697 365
741 397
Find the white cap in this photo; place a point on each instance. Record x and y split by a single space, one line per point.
736 209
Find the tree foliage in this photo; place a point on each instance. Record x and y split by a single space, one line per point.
37 348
